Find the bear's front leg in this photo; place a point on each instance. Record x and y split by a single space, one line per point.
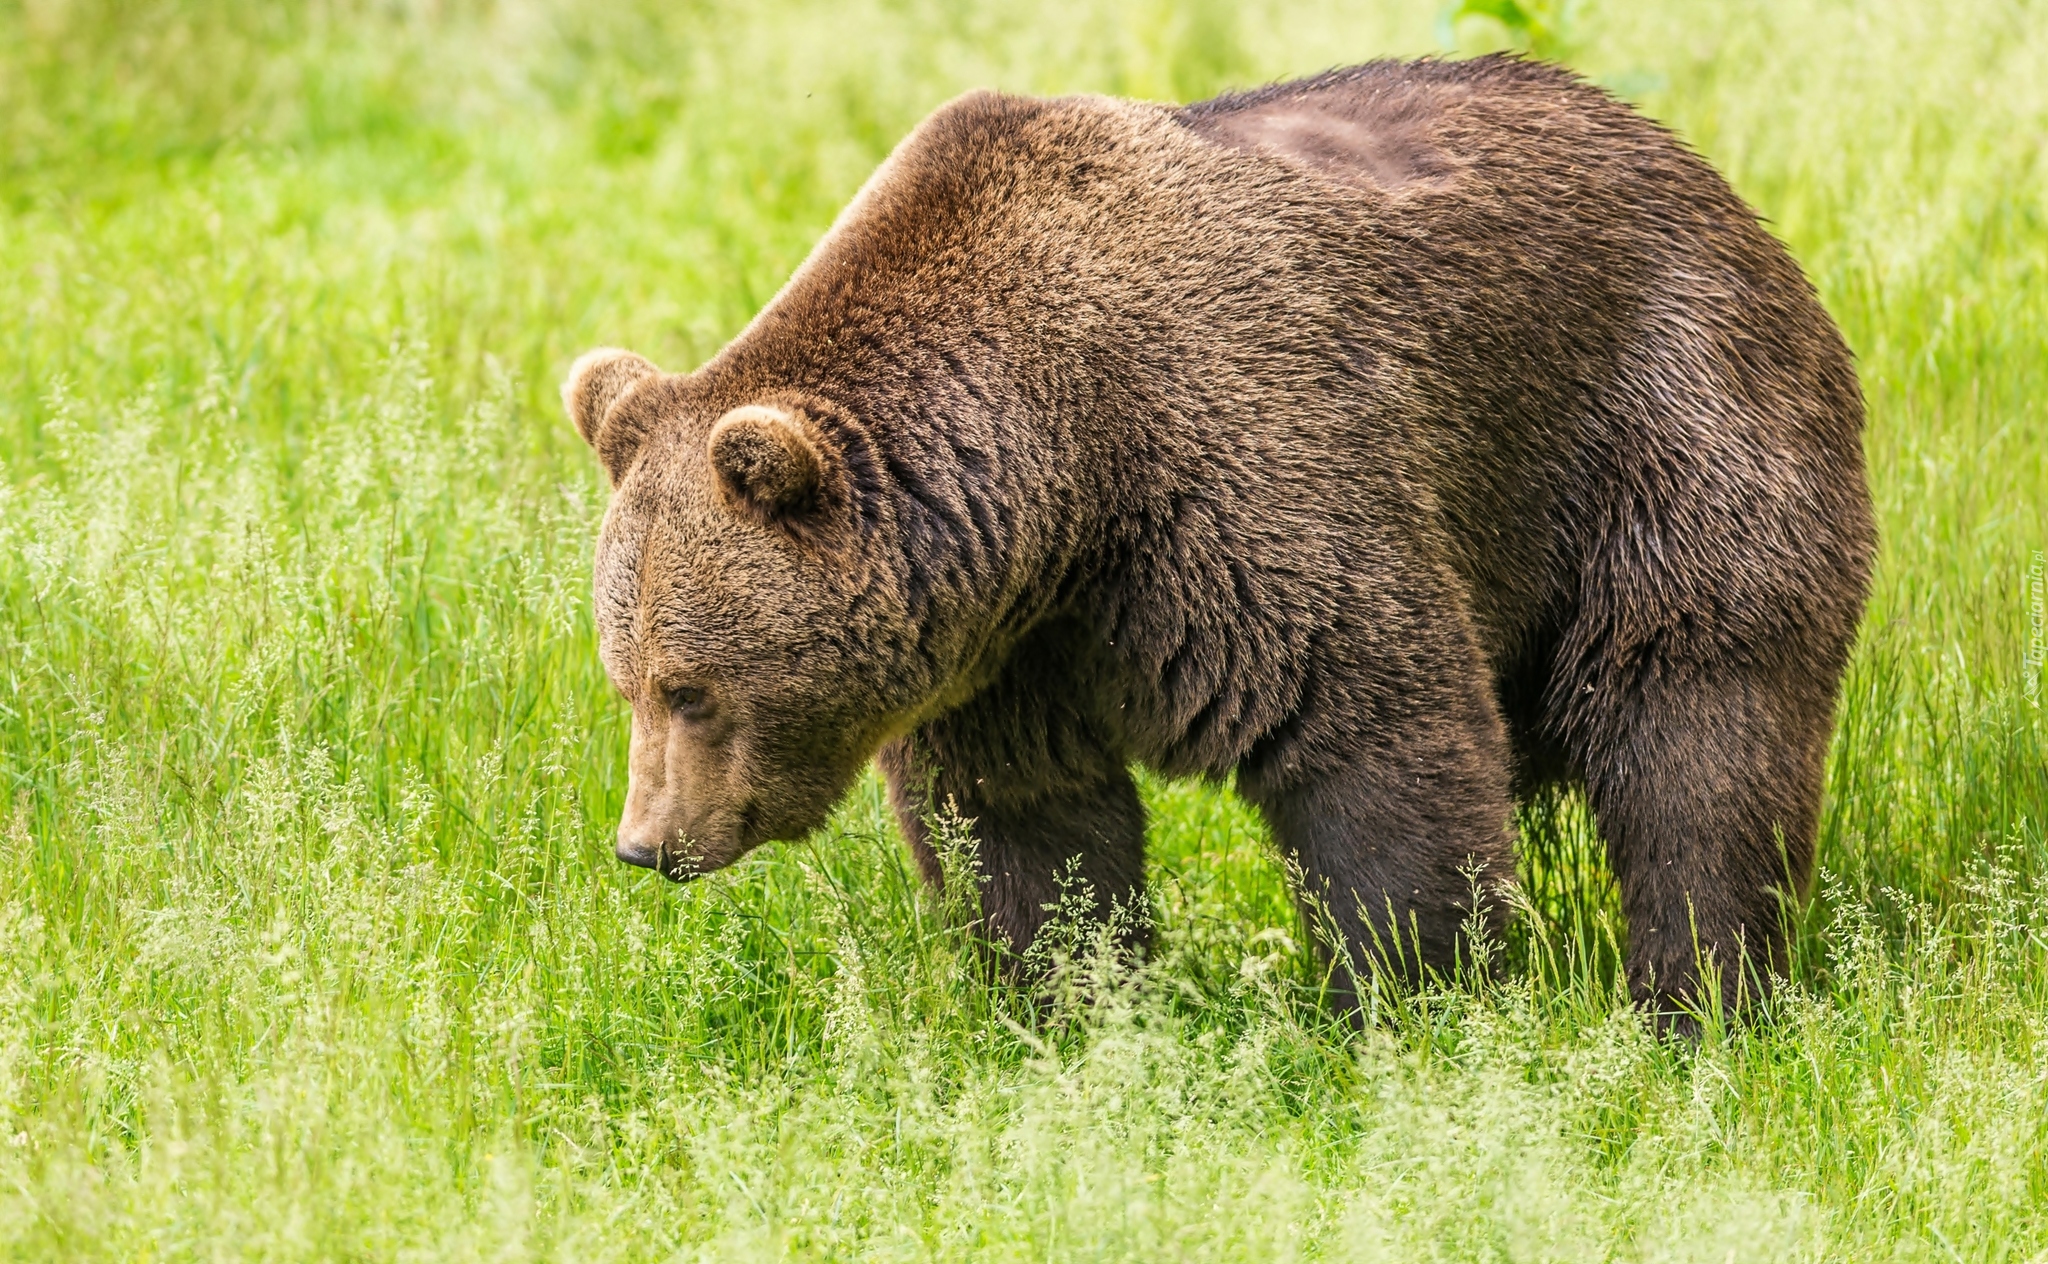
1066 833
1386 860
1389 839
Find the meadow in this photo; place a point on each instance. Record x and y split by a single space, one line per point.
312 945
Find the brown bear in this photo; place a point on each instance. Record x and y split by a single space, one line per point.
1398 441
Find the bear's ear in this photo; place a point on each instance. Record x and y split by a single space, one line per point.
597 381
773 466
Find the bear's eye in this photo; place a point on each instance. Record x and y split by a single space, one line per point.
684 698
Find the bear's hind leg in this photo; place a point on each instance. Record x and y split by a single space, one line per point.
1706 783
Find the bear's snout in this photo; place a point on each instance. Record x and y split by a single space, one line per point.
651 840
640 852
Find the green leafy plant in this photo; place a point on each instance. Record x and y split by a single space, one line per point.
1533 26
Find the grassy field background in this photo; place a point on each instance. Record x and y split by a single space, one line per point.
311 941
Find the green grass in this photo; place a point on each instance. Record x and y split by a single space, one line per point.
311 942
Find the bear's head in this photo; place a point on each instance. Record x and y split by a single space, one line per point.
742 608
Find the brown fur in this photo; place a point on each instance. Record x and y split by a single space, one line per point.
1398 440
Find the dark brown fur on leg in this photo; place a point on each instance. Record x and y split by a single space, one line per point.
1387 857
1392 799
1707 791
1025 847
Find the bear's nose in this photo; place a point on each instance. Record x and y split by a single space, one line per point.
669 863
638 852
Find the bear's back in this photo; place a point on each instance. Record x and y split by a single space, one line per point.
1479 303
1381 126
1397 127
